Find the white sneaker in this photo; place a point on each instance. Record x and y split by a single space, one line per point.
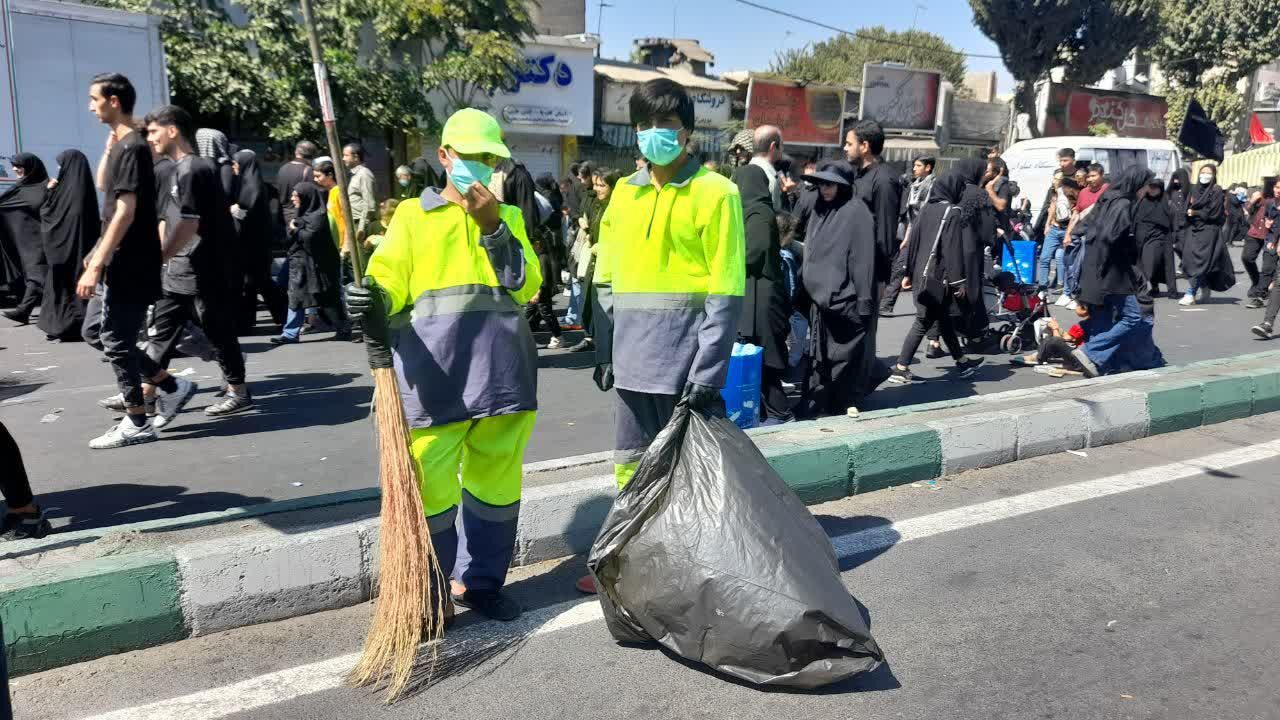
1187 299
169 404
1072 305
124 434
1063 299
554 344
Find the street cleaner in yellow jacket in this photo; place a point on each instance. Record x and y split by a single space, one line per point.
670 275
442 304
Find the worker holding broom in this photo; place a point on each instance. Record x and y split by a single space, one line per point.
670 274
442 304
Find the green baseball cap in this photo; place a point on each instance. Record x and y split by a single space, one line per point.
472 131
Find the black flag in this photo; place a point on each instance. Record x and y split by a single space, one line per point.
1200 134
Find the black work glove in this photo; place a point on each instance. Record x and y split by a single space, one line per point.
604 377
368 306
704 399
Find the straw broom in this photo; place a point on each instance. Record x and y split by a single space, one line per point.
411 586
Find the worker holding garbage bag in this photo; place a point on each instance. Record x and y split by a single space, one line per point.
670 274
705 550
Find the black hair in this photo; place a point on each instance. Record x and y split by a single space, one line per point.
1067 152
870 132
117 86
608 175
786 227
659 98
585 169
784 164
173 116
1001 167
1069 183
356 149
306 150
926 160
573 168
326 168
1095 167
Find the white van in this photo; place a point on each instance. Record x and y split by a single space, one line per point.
1032 162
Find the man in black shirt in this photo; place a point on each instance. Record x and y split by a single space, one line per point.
200 279
878 187
293 172
126 261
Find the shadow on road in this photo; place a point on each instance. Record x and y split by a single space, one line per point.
122 503
286 402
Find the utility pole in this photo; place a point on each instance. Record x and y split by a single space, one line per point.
911 48
331 135
599 24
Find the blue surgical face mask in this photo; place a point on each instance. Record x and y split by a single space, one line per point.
1241 196
466 172
660 146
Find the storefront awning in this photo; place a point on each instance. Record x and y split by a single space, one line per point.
904 150
1247 168
632 73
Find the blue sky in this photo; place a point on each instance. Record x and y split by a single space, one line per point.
745 38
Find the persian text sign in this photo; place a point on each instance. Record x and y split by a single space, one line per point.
1073 110
809 115
900 98
710 107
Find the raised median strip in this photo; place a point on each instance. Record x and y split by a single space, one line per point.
77 596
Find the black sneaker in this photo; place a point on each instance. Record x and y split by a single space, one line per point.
1254 303
492 604
583 345
901 377
17 316
933 352
21 526
967 367
232 403
1262 330
283 340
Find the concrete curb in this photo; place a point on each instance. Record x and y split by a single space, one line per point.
94 607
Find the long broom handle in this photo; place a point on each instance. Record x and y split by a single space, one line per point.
331 136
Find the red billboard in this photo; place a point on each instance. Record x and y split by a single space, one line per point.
809 115
1073 110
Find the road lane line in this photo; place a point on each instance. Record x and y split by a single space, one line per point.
284 685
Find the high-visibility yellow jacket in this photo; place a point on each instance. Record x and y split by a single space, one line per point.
337 226
461 346
672 267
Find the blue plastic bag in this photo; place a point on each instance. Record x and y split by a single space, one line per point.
742 386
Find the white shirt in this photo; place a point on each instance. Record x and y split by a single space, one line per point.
772 173
1064 207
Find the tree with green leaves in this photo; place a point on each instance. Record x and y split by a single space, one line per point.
387 59
1085 38
1206 47
839 60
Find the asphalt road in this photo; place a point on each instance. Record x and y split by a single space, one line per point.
310 432
1131 581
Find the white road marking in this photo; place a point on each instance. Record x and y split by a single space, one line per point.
284 685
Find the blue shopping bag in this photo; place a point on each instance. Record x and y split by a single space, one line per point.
742 386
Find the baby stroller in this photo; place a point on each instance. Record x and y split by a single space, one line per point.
1018 307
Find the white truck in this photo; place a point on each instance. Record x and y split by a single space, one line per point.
51 49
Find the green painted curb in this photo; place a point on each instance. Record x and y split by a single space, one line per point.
1227 398
817 470
89 609
894 456
1174 406
1266 391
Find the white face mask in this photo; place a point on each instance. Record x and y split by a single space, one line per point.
1206 178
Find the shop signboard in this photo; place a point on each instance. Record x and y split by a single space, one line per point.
806 114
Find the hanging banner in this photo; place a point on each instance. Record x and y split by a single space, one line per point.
809 115
900 98
1073 110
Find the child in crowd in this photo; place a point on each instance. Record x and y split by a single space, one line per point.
378 228
1058 346
792 259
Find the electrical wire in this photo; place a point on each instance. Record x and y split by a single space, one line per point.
864 36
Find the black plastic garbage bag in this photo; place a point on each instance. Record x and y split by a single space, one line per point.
707 552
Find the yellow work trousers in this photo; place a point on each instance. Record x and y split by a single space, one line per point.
488 452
